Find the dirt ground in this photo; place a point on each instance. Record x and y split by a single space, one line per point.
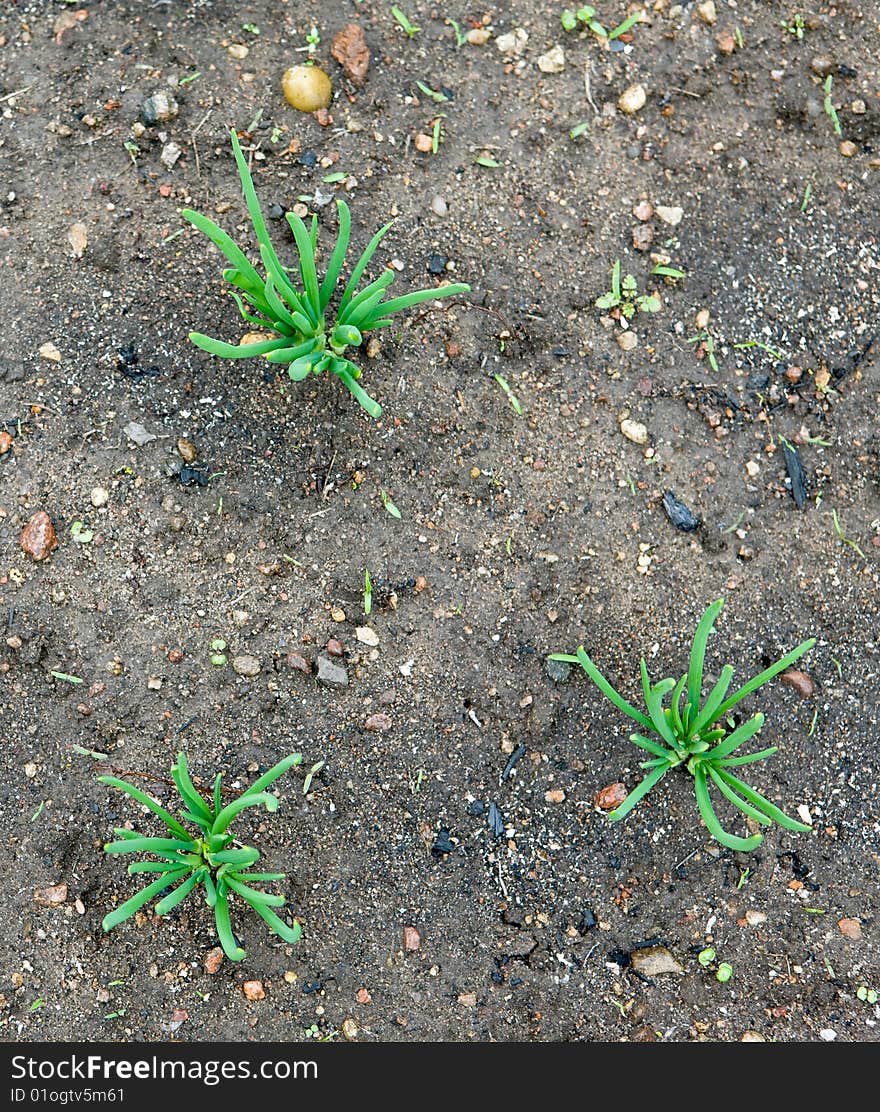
518 535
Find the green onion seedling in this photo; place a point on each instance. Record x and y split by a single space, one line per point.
309 329
699 734
210 858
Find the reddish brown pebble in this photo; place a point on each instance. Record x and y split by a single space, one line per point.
179 1015
335 647
800 681
642 236
350 50
412 940
299 663
175 656
421 584
5 443
726 42
38 537
644 210
423 143
254 990
850 928
611 796
379 723
323 117
213 960
363 997
97 688
52 896
84 709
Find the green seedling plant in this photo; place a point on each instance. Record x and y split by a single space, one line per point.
210 858
310 337
586 15
624 295
699 734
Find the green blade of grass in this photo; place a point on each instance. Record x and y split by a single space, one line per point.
260 799
274 773
749 758
124 911
236 351
407 300
766 675
240 857
337 257
157 809
638 793
225 243
180 776
150 845
652 746
361 265
608 691
698 656
254 895
737 738
306 265
278 926
675 708
709 712
737 801
655 709
769 809
224 928
704 803
340 369
179 894
367 298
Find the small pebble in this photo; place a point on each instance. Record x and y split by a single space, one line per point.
708 12
628 341
651 961
670 214
848 149
187 450
800 681
634 431
159 108
298 663
171 152
5 443
38 537
349 1030
367 636
611 796
412 940
642 236
753 469
306 88
553 61
246 666
554 795
850 928
331 674
644 210
254 990
238 51
53 896
632 100
439 206
379 723
822 65
423 143
99 497
213 960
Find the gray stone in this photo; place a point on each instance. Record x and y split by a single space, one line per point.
331 674
558 670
